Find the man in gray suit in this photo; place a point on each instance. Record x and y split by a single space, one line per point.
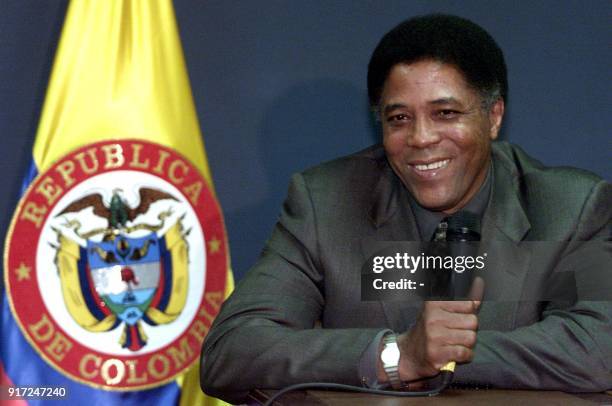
438 84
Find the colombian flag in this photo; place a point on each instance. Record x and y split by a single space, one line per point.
119 75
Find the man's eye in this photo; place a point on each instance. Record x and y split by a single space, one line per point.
398 117
447 114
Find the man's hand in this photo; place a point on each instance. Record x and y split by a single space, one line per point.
444 332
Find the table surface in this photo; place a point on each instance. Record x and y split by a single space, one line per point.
448 398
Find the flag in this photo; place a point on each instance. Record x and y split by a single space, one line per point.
116 260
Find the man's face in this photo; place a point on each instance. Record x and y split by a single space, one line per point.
436 133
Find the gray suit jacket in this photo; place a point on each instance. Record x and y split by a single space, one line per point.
309 272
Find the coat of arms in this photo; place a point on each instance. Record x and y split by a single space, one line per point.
122 280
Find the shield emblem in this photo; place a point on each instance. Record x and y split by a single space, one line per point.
125 281
125 273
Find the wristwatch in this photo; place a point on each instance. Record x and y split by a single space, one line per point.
390 358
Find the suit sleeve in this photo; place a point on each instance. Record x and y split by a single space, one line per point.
265 335
570 348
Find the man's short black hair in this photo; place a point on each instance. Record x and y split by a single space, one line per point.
447 39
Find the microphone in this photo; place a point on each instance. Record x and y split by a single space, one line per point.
462 235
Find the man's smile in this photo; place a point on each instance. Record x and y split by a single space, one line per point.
430 168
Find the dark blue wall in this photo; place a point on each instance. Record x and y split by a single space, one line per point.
280 86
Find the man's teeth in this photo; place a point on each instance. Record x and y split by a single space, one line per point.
433 165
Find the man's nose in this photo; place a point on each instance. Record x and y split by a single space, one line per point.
424 134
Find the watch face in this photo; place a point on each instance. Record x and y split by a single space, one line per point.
390 354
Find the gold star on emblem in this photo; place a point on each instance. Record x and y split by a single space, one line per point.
213 245
23 272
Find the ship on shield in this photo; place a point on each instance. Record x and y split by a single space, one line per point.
122 279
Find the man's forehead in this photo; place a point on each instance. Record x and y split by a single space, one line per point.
428 82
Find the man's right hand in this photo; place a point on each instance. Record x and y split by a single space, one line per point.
444 332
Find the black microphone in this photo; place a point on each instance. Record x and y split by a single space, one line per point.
462 236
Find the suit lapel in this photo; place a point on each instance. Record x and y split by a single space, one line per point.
504 215
504 226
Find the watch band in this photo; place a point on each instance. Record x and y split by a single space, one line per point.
390 357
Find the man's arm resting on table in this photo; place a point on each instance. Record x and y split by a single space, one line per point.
570 350
264 336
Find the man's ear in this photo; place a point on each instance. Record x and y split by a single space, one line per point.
496 114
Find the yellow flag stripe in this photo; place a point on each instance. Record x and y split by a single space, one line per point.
119 73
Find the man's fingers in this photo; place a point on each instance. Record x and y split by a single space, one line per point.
462 322
465 338
463 306
457 353
460 353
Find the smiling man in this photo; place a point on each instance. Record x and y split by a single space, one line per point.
438 85
437 132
